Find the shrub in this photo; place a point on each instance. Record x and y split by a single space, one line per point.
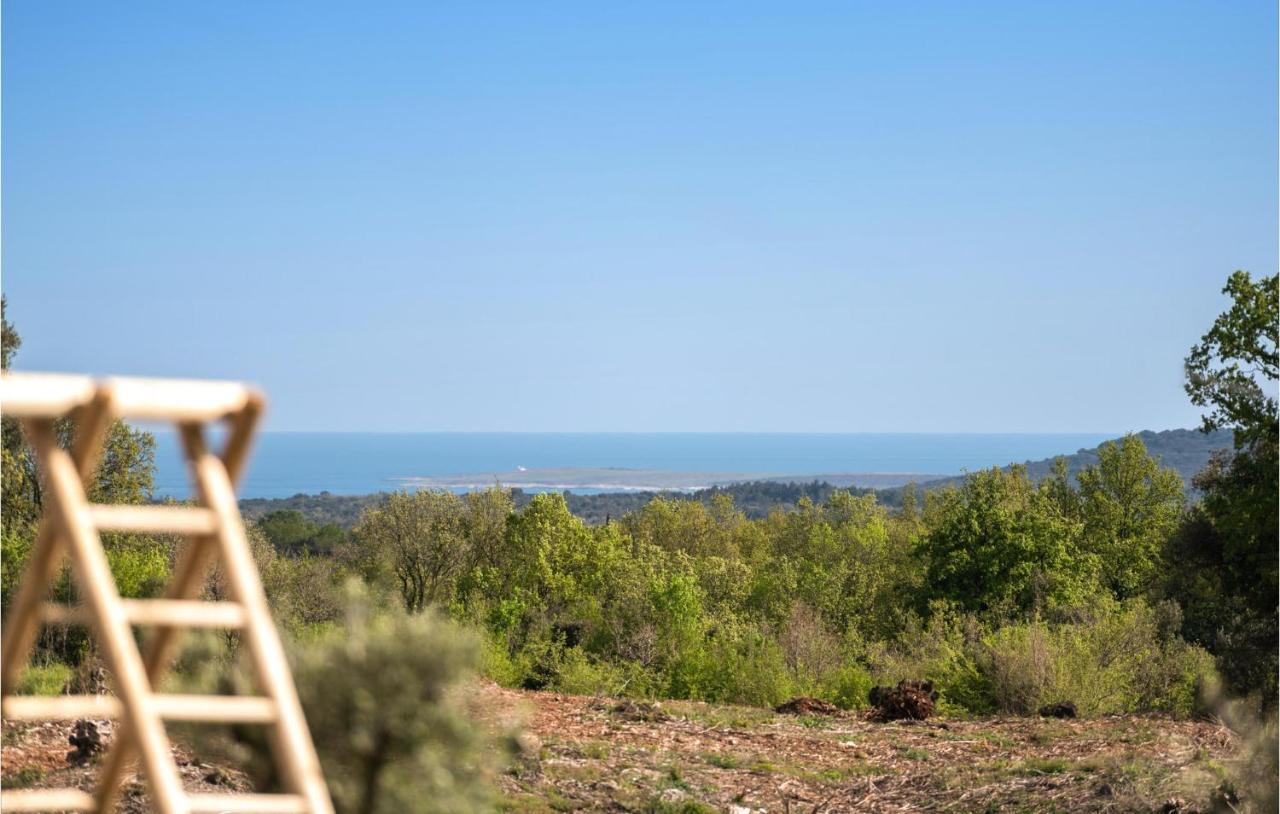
1120 660
580 674
45 679
743 666
848 687
380 698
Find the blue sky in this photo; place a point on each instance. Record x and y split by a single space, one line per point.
641 216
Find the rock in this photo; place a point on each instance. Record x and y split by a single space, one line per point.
805 705
910 700
87 741
1062 709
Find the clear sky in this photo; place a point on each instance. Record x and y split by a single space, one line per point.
641 216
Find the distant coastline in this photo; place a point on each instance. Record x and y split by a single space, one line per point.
619 479
286 464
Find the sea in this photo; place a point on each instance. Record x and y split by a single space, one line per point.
284 464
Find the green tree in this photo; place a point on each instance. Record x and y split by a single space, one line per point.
1000 544
1130 506
415 541
1232 371
1226 552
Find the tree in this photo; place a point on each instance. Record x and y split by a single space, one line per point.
1130 506
1000 544
1226 550
417 541
1233 369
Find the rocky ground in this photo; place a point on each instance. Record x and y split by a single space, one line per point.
595 754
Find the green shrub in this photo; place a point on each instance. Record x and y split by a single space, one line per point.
45 679
580 674
1119 660
381 698
743 667
848 687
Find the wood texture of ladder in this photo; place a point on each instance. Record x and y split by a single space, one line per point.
71 526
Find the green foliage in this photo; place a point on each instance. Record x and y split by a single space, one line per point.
940 650
1129 507
999 543
290 532
1226 551
45 679
139 564
1233 368
380 693
416 543
1120 659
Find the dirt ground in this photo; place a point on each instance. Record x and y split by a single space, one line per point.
602 755
594 754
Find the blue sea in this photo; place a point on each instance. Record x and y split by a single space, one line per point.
285 464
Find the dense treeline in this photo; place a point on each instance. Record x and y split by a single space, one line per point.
755 498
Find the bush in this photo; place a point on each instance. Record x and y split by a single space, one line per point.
45 679
742 666
380 695
1118 661
848 687
580 674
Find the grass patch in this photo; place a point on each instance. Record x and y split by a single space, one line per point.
45 679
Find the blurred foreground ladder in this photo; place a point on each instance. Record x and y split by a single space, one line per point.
71 525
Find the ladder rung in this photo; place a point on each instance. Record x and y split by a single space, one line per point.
190 520
59 707
184 613
216 708
44 394
47 800
177 399
247 803
175 612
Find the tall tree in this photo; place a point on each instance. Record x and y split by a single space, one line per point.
1227 555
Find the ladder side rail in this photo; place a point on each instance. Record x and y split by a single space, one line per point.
47 553
69 508
294 751
189 573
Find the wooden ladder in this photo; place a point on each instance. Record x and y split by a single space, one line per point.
71 525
